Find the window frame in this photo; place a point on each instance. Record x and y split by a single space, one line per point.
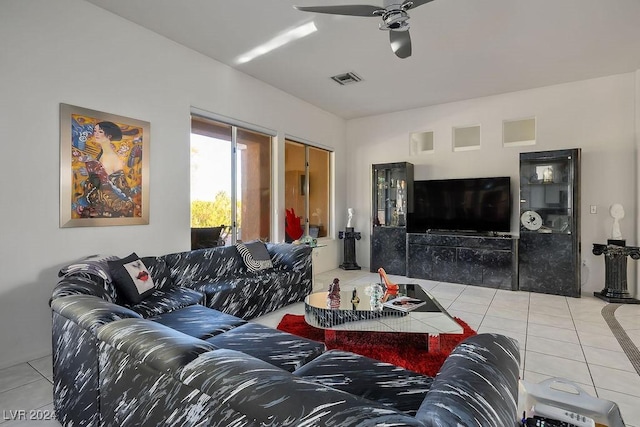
330 185
235 126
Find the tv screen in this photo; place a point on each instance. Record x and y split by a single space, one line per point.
471 204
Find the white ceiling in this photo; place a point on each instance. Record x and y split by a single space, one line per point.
461 48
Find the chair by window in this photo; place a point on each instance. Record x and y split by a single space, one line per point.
208 237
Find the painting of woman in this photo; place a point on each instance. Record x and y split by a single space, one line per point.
107 171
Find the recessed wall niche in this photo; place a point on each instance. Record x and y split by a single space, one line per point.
466 138
519 132
421 143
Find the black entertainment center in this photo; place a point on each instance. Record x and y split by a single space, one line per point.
458 232
472 259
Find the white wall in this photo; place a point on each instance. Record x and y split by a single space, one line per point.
70 51
637 176
596 115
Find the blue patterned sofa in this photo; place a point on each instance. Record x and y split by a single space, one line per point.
215 277
182 357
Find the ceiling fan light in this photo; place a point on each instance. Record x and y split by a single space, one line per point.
396 20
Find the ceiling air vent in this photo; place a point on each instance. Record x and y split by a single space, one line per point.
346 78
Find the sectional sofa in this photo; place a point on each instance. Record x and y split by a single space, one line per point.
186 354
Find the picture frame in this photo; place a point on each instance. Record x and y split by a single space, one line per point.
104 168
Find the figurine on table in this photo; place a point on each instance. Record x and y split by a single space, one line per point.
333 297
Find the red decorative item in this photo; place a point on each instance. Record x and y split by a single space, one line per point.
391 288
292 227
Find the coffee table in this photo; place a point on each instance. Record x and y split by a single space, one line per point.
339 313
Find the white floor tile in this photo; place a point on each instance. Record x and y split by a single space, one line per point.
44 366
33 395
468 307
555 301
599 341
483 300
549 310
565 335
551 320
508 313
16 376
615 380
555 348
557 367
519 298
597 328
608 358
504 324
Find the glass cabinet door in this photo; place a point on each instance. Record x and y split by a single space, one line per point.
391 191
546 194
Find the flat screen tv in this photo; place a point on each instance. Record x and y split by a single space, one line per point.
468 205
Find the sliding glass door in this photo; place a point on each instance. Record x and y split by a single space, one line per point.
230 181
307 189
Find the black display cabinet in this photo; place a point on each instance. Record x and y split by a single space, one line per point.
392 200
549 244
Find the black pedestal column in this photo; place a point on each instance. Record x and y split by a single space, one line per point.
350 238
615 267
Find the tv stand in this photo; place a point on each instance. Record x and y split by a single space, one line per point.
465 233
469 258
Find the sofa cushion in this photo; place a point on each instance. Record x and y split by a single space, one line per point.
159 270
199 321
267 396
166 300
204 264
255 256
378 381
281 349
131 278
159 346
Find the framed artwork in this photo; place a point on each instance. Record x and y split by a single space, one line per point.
104 169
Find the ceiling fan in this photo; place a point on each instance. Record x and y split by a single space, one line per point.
395 19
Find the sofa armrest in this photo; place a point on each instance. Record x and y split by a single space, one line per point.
157 345
476 386
81 284
289 256
90 312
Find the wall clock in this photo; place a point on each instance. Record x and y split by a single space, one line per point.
531 220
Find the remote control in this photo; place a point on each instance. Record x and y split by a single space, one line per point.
566 417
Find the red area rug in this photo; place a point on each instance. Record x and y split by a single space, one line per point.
408 350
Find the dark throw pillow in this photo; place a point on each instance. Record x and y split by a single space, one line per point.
131 277
255 255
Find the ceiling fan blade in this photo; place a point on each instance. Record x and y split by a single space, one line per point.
415 3
352 10
400 43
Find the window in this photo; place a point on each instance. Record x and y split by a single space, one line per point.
307 188
230 181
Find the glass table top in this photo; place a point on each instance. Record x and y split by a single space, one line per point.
361 308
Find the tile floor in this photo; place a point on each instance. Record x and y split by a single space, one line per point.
559 337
